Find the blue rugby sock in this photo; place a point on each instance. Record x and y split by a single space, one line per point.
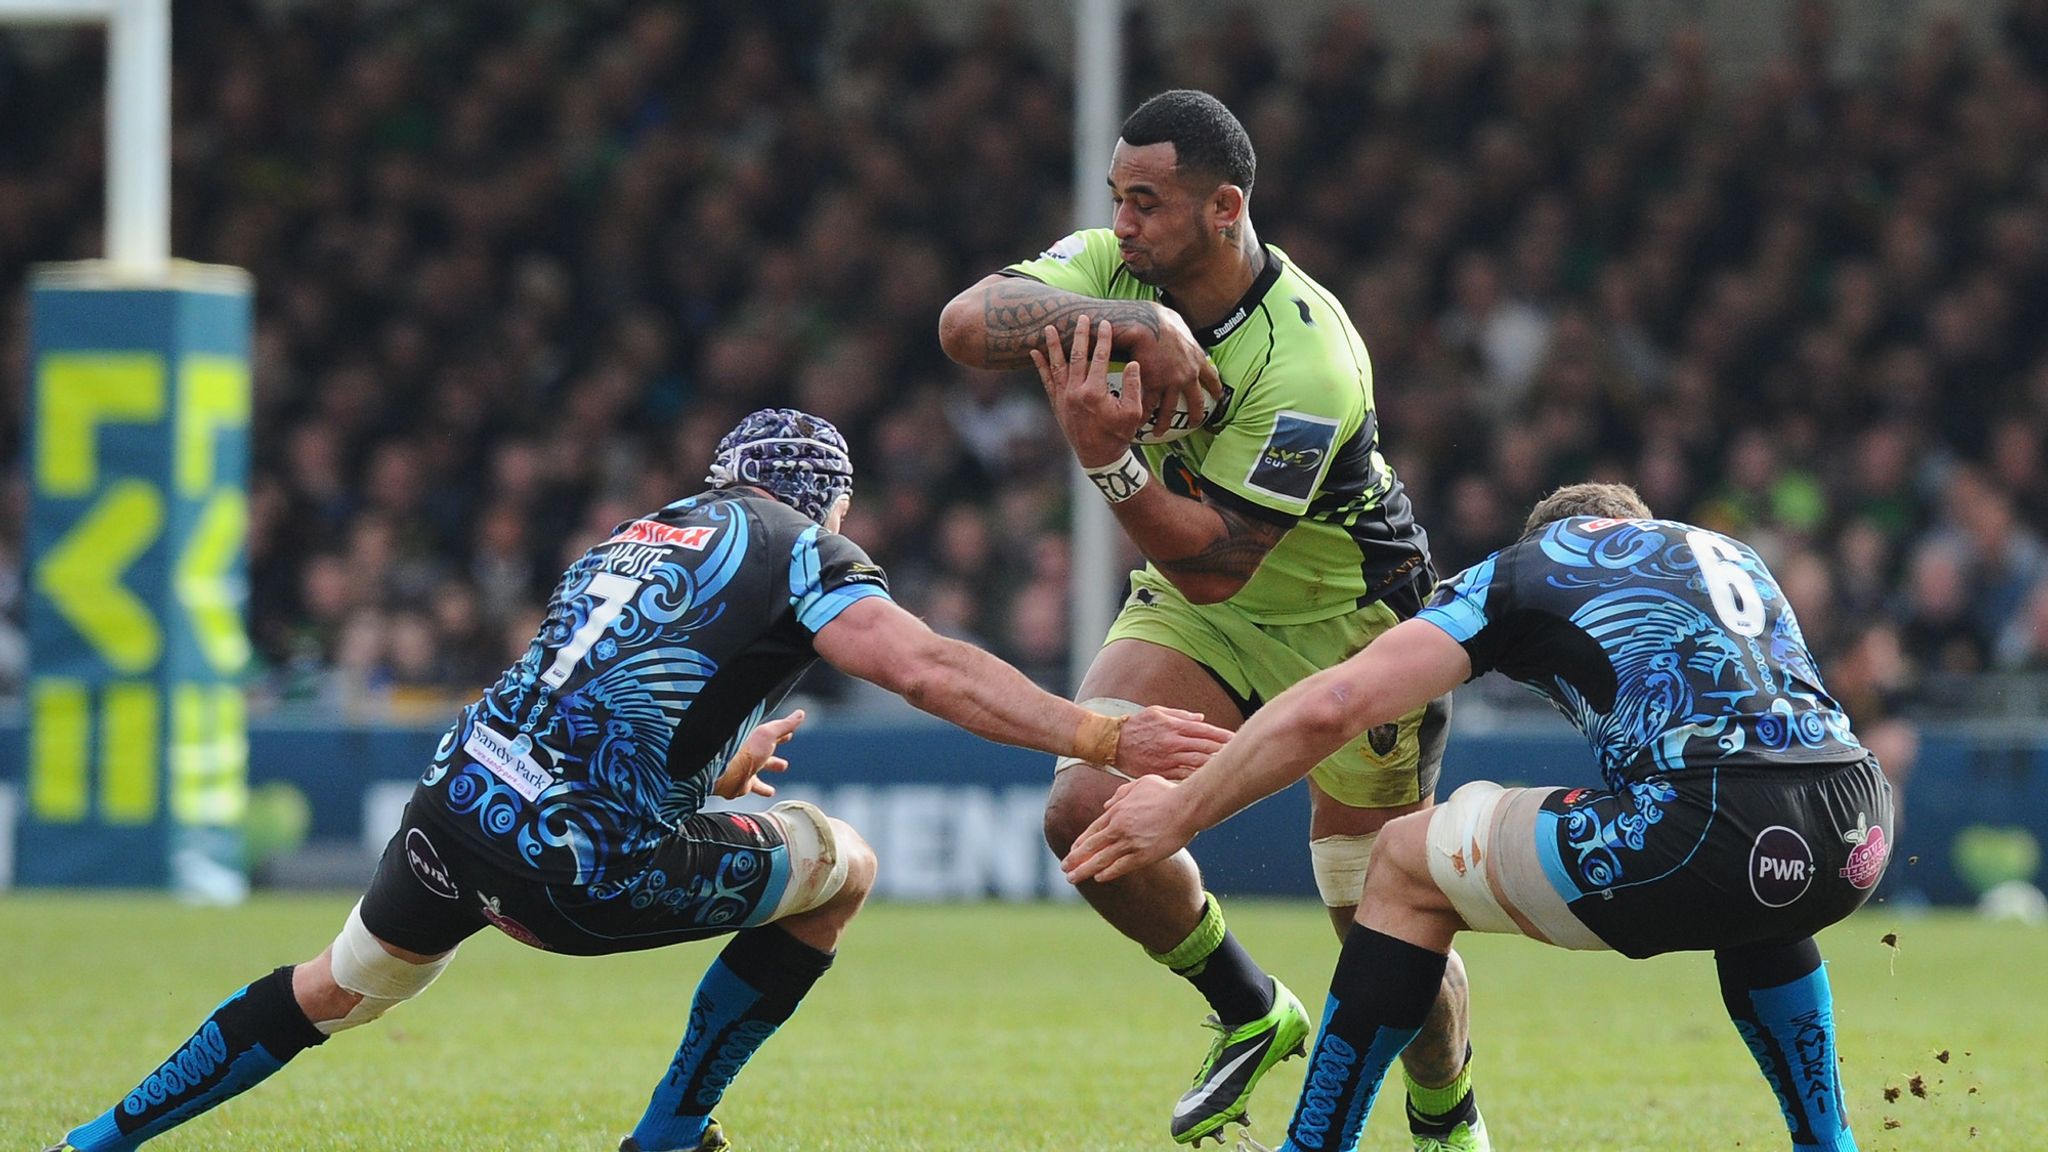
1379 997
249 1036
753 986
1778 998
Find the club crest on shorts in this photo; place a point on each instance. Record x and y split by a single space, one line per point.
1780 866
1867 857
426 864
1383 738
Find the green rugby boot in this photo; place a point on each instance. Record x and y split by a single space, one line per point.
1468 1136
713 1140
1236 1061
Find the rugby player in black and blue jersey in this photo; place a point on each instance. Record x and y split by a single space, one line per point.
1739 815
565 806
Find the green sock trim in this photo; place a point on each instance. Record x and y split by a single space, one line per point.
1190 954
1438 1101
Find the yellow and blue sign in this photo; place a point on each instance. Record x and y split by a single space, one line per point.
137 765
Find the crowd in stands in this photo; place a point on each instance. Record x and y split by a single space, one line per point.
520 266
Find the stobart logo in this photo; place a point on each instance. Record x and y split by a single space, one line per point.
188 1068
1324 1092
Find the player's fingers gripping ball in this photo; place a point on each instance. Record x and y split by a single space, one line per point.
1159 425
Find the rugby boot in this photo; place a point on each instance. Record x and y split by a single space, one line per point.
713 1140
1468 1136
1237 1060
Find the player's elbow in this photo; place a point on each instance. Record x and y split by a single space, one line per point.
960 329
1331 711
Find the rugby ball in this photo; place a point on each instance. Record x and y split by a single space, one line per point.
1159 427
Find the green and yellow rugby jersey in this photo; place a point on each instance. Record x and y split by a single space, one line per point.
1296 440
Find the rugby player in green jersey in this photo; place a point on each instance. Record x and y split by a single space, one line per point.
1279 543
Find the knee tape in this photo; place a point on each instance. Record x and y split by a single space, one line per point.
1460 842
1340 863
817 868
362 966
1108 706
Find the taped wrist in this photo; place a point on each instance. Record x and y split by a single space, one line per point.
1122 479
1096 737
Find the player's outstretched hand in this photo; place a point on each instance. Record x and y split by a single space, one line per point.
1176 368
1167 742
1144 823
742 775
1099 423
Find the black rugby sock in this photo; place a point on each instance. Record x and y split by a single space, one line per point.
249 1036
1220 969
746 994
1379 997
1779 999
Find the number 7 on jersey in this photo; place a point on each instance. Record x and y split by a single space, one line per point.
611 591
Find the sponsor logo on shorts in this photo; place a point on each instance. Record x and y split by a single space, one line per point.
1867 858
745 824
1780 866
1575 795
426 864
1383 738
511 927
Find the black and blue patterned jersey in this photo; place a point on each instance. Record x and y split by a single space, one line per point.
1669 646
662 648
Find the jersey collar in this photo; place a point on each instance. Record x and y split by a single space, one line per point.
1217 333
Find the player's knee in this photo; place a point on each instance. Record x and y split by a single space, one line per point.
860 859
316 993
1398 870
1076 799
360 966
829 863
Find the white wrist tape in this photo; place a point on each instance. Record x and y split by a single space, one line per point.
1121 480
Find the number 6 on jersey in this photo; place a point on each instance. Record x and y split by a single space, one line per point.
1736 599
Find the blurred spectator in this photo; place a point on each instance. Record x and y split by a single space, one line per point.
516 276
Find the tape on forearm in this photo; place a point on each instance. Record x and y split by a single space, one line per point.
1097 736
1121 480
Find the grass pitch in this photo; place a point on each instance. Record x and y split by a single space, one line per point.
991 1027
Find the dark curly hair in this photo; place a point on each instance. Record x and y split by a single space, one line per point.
1207 140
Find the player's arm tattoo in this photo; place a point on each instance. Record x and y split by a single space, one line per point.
1235 554
1016 310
